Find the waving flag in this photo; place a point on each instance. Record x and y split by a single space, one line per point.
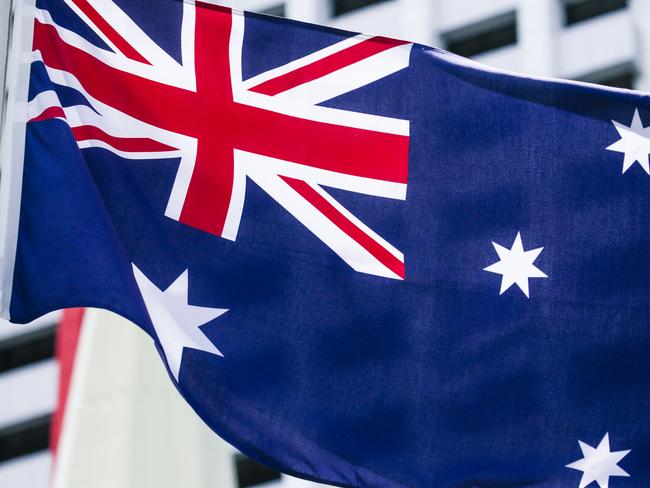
363 262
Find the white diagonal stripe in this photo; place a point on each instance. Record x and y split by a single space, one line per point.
338 241
366 230
41 102
296 109
305 61
350 78
173 76
133 34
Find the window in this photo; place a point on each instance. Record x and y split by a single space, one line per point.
491 34
25 438
623 80
252 473
579 10
341 7
27 348
621 76
278 11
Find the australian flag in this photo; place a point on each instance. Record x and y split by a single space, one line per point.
363 261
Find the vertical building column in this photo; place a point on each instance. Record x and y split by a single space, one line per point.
419 21
640 10
125 424
316 11
538 26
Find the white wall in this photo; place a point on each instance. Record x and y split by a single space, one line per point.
126 425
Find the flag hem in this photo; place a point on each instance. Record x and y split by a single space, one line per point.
471 63
12 144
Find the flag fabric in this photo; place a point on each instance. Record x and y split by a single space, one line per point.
363 261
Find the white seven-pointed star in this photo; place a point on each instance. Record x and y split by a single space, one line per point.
634 143
516 265
599 464
175 320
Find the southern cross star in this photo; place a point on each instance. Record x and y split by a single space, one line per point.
634 143
516 265
175 320
599 464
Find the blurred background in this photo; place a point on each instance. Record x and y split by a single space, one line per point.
129 427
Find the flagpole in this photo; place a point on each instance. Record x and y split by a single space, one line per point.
6 30
15 79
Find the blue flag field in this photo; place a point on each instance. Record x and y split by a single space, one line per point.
363 261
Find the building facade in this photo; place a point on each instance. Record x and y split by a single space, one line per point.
28 395
601 41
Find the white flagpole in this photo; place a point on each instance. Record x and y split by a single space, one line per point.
5 10
15 83
125 425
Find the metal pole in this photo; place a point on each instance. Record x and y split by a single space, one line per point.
7 26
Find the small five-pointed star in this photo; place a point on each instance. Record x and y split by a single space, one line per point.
599 464
634 143
175 320
516 265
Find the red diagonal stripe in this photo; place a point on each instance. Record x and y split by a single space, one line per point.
131 144
327 65
101 23
124 91
346 225
49 113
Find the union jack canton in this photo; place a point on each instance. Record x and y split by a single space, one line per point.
270 127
